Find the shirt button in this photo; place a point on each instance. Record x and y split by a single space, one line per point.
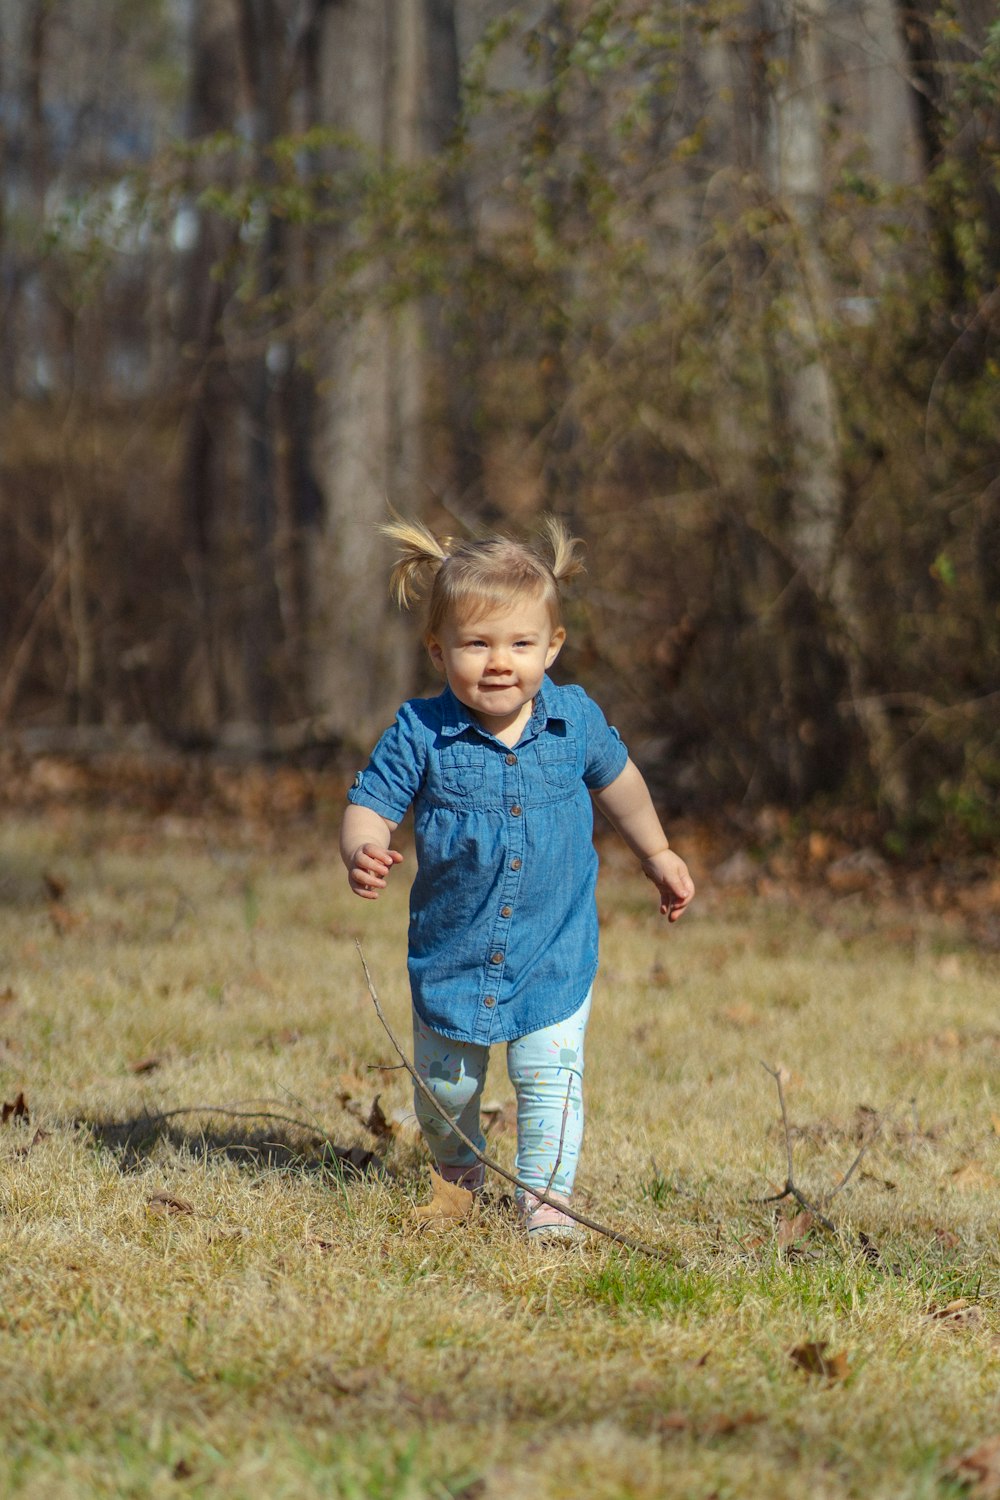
515 864
511 760
496 958
515 811
489 1001
506 911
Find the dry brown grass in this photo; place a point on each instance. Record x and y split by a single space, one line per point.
295 1334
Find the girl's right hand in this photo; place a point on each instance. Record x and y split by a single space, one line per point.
368 867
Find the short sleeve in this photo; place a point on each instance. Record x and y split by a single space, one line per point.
606 756
393 775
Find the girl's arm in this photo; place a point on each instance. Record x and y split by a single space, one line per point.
628 807
364 848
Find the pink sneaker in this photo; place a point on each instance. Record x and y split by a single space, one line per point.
546 1224
468 1177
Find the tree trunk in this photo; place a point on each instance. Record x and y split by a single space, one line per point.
208 691
805 397
369 444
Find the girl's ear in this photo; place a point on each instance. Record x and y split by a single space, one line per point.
435 653
555 645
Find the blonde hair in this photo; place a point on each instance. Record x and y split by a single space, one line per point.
488 573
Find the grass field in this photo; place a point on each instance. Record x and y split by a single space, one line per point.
276 1323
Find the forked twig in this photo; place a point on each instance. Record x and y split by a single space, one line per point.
616 1235
791 1188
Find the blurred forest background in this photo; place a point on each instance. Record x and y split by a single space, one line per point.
715 280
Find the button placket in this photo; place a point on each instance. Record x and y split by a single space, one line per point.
500 937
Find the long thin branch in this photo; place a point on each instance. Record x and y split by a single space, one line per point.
562 1137
612 1234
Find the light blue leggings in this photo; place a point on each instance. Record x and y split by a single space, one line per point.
545 1067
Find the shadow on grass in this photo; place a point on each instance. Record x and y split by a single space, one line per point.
282 1146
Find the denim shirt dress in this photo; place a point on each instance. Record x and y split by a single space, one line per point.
503 918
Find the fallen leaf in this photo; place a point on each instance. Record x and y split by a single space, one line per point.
146 1065
315 1243
959 1312
869 1249
979 1470
166 1203
449 1203
376 1121
791 1231
723 1423
716 1426
39 1135
16 1111
814 1360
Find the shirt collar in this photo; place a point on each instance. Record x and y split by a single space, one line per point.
455 717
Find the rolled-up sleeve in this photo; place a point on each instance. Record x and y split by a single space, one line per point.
393 775
606 756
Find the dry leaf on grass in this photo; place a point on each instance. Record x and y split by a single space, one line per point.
314 1242
39 1135
959 1313
791 1231
978 1470
449 1204
720 1425
813 1359
166 1203
18 1110
146 1065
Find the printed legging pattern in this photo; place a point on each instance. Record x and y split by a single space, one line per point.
546 1069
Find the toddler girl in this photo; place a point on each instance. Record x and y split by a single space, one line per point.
500 768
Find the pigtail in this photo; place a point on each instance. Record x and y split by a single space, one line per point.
567 560
421 554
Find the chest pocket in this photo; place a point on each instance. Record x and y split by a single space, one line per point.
557 759
461 769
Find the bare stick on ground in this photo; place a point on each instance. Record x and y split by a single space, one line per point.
616 1235
791 1188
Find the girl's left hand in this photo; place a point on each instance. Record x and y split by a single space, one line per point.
670 875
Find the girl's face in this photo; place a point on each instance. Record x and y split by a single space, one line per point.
494 662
